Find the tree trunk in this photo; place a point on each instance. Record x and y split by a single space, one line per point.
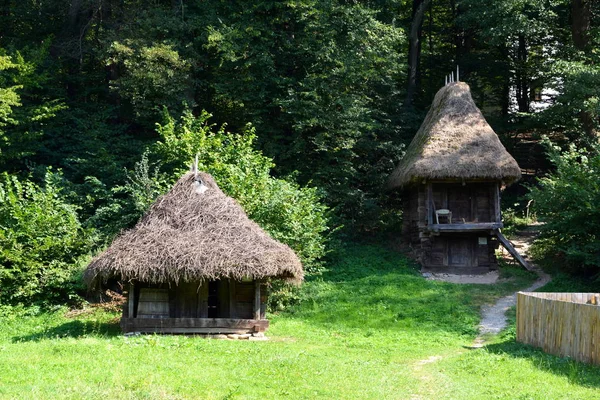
581 16
414 49
505 93
522 78
462 37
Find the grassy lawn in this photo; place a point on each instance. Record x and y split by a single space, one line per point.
371 328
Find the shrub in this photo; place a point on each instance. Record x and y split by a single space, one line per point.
568 201
42 243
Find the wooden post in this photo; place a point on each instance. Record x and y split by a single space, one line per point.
203 300
497 211
429 204
263 301
232 302
131 300
257 299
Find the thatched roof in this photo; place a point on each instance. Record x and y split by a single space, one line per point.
192 233
455 142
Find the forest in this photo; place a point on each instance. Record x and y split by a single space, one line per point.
300 109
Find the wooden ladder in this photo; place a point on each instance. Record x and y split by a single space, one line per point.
513 252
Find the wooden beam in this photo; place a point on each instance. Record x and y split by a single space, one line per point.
131 300
481 226
497 211
203 300
232 301
256 311
430 209
193 325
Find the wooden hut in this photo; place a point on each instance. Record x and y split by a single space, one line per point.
451 177
195 263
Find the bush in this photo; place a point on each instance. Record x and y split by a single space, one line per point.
42 243
568 201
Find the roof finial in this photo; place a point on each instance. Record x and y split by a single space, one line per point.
196 167
450 77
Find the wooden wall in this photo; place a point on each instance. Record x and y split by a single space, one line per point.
218 299
460 253
471 202
414 214
457 252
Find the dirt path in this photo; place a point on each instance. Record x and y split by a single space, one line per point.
493 318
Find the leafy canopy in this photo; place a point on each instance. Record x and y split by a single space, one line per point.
568 201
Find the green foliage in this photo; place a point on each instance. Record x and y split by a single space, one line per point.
8 94
568 201
578 85
318 79
42 242
517 217
123 205
22 114
151 77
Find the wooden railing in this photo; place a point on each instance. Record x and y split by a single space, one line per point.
563 324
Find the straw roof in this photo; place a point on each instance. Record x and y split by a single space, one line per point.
455 142
192 233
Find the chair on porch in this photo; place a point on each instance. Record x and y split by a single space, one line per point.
443 212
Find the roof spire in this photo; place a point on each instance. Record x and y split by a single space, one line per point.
450 77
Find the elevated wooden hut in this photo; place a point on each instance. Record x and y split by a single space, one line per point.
195 263
451 177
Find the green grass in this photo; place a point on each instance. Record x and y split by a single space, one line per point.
370 328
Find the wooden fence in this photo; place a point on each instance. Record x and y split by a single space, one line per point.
564 324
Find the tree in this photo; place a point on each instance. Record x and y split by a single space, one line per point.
568 201
414 47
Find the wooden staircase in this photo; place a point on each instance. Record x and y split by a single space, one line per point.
513 252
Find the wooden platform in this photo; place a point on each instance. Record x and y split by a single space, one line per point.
193 325
467 227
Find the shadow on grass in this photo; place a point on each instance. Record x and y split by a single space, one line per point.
576 372
72 329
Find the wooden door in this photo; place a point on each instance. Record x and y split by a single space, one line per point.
186 300
460 252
